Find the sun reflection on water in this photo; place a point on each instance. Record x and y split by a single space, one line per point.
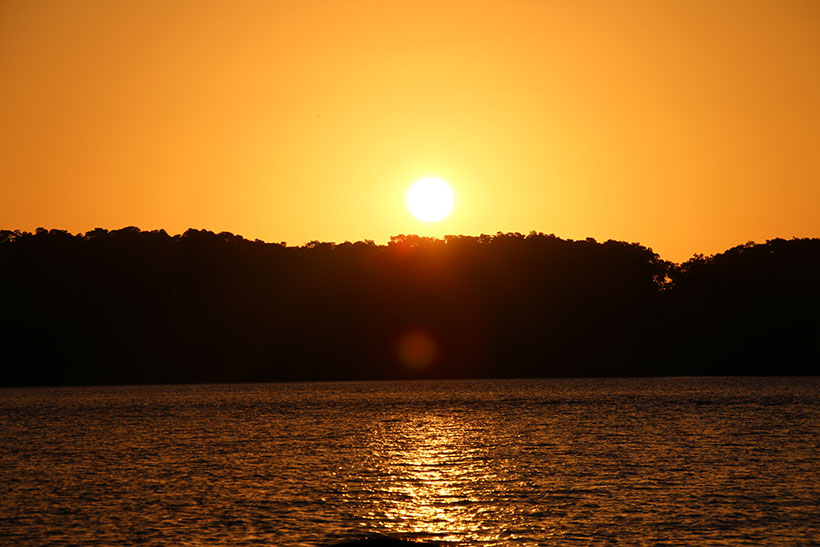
430 473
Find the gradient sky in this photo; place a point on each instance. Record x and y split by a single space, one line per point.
685 126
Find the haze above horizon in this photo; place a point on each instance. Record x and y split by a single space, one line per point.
688 127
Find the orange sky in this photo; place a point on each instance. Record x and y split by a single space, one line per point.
686 126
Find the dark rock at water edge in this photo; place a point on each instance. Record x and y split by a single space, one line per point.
383 541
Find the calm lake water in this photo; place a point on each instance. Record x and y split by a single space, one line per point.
686 461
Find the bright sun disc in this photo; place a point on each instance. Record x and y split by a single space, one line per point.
430 199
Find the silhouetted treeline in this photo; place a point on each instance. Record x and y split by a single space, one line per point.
128 306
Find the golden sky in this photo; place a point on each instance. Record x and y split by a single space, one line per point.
687 126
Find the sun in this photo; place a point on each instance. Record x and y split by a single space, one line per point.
430 199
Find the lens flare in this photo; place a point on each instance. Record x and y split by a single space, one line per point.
416 349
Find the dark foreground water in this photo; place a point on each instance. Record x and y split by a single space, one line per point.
704 461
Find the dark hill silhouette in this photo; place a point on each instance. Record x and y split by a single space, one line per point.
128 306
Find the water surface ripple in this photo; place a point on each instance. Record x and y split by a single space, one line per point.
675 461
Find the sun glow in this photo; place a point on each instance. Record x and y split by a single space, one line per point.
430 199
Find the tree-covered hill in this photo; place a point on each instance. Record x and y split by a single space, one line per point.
129 306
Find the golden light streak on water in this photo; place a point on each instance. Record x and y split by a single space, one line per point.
432 469
512 463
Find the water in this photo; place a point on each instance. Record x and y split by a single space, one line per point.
699 461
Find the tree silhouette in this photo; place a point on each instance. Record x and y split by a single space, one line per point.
131 306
